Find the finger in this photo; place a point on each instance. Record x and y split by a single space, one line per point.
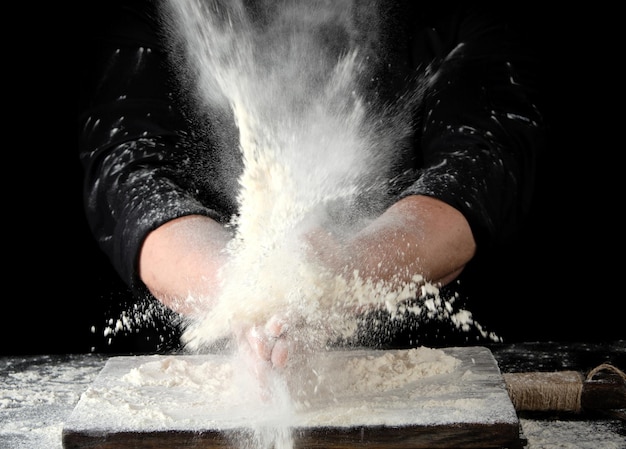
280 353
275 327
259 343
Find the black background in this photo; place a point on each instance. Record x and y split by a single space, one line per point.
560 282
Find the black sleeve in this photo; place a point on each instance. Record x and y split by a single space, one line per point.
481 130
134 141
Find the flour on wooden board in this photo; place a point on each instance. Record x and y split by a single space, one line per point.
319 378
212 391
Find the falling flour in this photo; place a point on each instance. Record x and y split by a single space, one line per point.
311 147
290 75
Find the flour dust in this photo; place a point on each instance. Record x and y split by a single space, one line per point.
292 73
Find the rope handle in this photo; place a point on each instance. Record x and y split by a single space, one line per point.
606 367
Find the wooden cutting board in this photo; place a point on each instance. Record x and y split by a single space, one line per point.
399 401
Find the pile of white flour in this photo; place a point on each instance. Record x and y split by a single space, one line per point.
331 388
317 380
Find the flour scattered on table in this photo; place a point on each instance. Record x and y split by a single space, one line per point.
37 393
563 434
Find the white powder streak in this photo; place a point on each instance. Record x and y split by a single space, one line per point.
308 146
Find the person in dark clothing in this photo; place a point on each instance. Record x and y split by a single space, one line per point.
460 183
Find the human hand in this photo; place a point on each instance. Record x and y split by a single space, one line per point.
267 343
264 350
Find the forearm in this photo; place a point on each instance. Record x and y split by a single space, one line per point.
418 235
181 260
141 169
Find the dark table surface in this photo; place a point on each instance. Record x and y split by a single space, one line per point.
38 392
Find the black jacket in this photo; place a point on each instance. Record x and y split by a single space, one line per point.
147 156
